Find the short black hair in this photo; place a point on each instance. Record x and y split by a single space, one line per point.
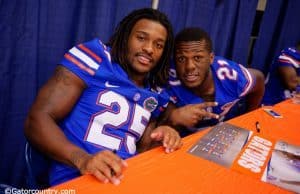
194 34
158 76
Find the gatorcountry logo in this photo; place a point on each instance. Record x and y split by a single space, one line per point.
150 104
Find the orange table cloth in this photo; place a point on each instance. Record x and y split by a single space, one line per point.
155 171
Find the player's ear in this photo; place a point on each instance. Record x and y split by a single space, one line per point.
211 57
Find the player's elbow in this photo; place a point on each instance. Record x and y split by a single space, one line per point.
255 96
259 76
29 124
33 124
259 87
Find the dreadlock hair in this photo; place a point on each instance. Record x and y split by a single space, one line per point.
194 34
158 76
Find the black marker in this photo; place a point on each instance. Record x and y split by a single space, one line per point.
257 126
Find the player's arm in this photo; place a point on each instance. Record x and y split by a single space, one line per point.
54 101
163 135
188 115
289 77
254 97
146 143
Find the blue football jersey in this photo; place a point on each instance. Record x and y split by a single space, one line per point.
112 112
232 82
275 90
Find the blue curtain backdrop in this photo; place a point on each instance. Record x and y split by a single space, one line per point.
34 35
228 22
280 28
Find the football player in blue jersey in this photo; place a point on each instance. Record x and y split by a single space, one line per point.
283 76
101 105
207 88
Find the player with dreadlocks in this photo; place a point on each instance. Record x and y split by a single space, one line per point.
100 105
158 75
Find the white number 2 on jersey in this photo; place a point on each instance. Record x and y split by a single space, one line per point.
224 72
115 119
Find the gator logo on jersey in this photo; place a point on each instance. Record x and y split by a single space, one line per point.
150 104
137 97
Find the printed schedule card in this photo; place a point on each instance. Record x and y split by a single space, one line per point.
250 153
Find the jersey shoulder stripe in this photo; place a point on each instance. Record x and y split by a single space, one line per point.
86 59
90 52
287 59
88 56
79 64
250 81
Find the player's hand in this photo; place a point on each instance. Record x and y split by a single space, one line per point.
169 137
105 166
190 115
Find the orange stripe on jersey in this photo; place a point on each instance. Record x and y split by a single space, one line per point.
91 53
290 58
79 64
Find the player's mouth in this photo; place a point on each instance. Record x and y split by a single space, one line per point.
191 77
144 59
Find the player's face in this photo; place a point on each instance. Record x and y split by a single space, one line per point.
192 62
145 45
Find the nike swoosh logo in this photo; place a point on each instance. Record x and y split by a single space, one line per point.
108 85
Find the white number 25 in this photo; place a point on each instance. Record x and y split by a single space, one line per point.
136 121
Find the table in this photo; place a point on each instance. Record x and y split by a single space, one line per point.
155 171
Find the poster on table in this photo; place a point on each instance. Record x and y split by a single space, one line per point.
274 162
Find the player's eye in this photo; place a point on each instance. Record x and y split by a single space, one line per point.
160 46
198 58
140 37
180 59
